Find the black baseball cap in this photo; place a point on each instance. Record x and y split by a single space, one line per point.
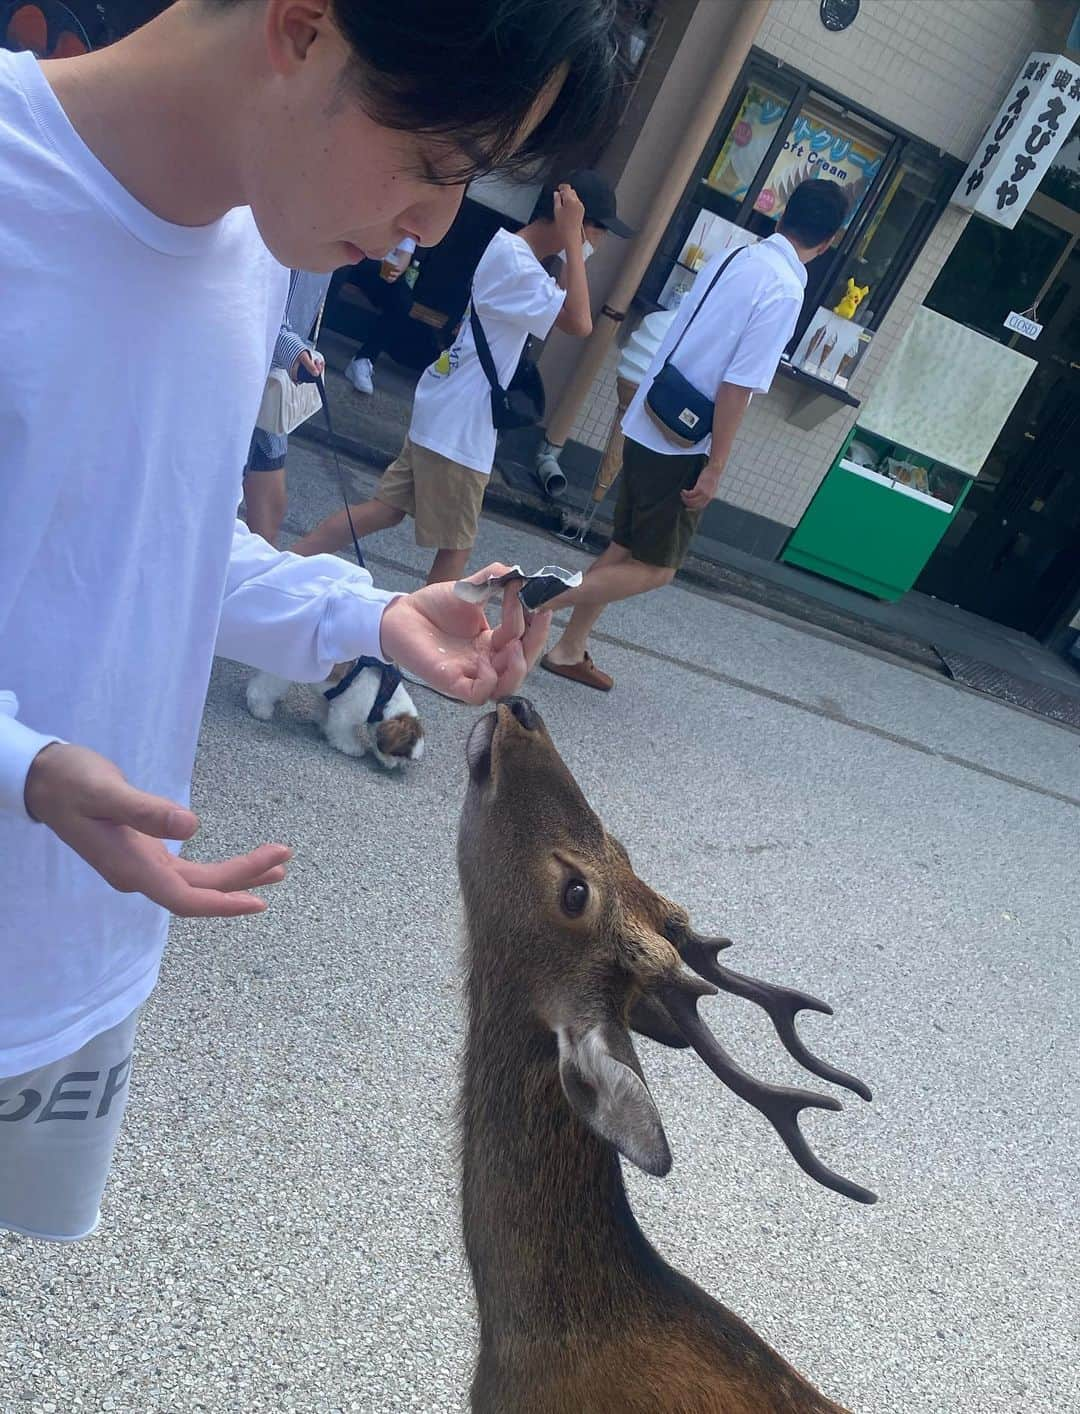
598 198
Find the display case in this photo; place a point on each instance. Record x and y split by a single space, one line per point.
903 471
877 516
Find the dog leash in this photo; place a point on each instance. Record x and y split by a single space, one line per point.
304 375
390 674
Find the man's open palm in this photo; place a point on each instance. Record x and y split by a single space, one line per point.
450 644
120 832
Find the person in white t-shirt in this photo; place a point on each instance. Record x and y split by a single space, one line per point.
730 351
152 197
440 475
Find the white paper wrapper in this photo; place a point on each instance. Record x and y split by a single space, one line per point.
536 589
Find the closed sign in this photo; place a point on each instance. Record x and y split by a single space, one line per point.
1021 324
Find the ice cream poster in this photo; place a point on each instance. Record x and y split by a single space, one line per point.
813 148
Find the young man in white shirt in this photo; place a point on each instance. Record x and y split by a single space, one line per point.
440 475
730 351
152 196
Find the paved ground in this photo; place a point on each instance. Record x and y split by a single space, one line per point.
282 1233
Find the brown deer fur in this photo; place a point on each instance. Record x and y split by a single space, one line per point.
578 1313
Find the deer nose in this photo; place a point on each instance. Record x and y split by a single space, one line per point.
524 711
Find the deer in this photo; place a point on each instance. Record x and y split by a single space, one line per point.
567 953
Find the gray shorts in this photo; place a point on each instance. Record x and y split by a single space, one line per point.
58 1128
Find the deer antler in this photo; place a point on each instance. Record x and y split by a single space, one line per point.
780 1104
783 1004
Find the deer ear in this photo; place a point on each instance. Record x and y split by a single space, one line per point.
602 1080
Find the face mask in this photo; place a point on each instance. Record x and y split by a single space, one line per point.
587 249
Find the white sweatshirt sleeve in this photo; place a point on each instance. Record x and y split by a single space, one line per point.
18 747
293 616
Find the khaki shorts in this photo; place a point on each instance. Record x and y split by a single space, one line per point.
442 496
650 518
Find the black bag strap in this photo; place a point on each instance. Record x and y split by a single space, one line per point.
483 350
701 303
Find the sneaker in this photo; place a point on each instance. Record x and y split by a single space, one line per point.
358 371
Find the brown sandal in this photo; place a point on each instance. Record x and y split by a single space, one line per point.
585 672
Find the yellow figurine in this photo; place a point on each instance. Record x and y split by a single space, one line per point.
853 297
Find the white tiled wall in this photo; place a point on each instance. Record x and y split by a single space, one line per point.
936 67
596 416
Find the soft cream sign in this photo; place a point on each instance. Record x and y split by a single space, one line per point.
1018 147
812 148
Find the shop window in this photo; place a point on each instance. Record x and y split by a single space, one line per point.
881 248
781 130
1062 181
993 271
819 140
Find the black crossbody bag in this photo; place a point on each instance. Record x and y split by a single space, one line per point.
683 412
522 402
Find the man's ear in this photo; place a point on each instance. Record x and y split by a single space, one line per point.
601 1078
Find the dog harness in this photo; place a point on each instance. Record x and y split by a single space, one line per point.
389 682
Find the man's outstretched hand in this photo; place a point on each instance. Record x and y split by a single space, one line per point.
119 831
451 645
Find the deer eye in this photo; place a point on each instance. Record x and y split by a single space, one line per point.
575 896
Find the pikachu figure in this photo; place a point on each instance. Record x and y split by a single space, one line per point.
853 297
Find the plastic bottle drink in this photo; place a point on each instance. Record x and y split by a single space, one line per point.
398 259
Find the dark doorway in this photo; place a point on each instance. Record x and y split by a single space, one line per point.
1013 552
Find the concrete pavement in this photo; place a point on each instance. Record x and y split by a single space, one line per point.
281 1232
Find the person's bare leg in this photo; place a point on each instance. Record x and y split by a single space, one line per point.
448 565
574 643
615 575
265 499
333 533
606 584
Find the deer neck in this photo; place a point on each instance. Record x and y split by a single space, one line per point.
548 1229
562 1272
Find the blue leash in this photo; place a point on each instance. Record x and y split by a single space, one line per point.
390 679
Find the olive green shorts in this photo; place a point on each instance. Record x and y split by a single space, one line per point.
650 518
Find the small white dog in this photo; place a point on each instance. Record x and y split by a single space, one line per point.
366 709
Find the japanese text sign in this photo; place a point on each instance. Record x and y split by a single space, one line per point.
1017 148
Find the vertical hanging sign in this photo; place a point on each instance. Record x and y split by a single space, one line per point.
1017 148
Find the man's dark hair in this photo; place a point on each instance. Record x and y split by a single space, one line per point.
472 72
815 211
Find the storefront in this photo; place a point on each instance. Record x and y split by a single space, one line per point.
892 108
778 130
735 101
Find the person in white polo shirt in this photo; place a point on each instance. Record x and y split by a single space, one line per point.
725 342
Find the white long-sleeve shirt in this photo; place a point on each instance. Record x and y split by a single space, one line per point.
137 354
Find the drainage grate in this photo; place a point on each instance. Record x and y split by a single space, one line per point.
984 677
